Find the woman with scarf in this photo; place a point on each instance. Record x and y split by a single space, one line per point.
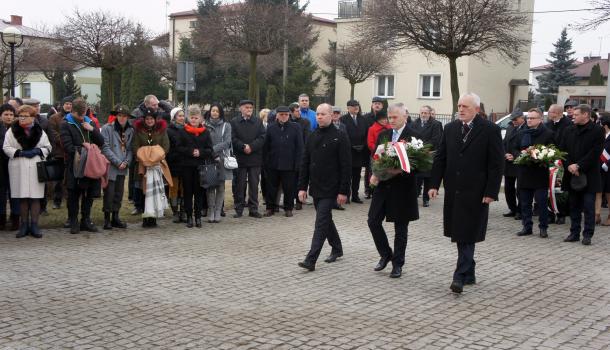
533 180
8 115
25 144
195 145
174 161
220 131
150 131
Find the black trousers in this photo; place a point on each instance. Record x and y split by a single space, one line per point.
84 196
367 178
192 189
356 174
325 229
286 178
510 192
58 186
582 203
525 200
425 181
247 178
401 231
464 271
113 194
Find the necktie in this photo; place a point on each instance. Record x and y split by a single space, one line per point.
465 130
395 135
355 120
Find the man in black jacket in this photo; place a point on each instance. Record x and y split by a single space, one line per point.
248 137
431 131
584 142
357 127
282 154
325 169
558 123
510 142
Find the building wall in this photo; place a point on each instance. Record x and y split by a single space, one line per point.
179 27
326 32
567 92
89 79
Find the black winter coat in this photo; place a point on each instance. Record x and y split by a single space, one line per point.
533 176
327 164
72 137
248 132
305 125
399 194
558 129
469 171
430 133
283 148
511 145
584 144
174 156
4 180
357 137
189 142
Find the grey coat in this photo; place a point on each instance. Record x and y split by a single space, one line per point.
222 144
113 151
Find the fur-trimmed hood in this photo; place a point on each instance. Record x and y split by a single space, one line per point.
27 141
158 128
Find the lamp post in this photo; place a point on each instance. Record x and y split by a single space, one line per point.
12 38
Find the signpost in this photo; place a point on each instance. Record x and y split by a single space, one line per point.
186 79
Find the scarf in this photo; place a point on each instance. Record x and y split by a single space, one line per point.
529 134
155 201
215 122
193 130
27 129
178 126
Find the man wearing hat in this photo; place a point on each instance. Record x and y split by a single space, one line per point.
58 150
248 138
118 137
357 127
377 107
569 107
511 142
337 119
282 153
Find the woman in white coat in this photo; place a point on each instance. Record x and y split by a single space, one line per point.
26 144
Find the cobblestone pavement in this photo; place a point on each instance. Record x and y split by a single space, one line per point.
236 285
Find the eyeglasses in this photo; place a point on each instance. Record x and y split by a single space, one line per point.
25 116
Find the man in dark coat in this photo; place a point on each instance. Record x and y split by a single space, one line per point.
431 131
469 162
377 106
282 154
511 142
58 150
558 123
357 127
295 116
325 169
533 179
394 200
248 137
584 142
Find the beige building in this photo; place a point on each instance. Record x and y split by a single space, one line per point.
417 80
181 24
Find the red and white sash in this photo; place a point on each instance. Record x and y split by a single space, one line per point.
401 151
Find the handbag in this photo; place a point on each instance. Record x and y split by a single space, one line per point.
578 183
208 175
229 161
50 170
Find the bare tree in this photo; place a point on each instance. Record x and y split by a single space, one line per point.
448 28
601 9
357 62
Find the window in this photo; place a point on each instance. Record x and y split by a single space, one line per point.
193 24
385 86
26 90
430 86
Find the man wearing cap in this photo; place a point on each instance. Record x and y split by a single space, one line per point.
282 154
118 137
306 112
58 150
511 142
295 115
357 127
337 119
248 138
569 107
431 131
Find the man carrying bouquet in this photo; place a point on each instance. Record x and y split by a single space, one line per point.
533 174
394 199
470 163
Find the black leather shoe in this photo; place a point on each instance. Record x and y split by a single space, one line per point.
470 281
524 232
586 241
560 220
255 214
35 231
396 272
307 266
298 206
510 214
518 216
288 213
238 215
107 225
74 227
572 238
189 222
383 262
116 222
457 286
197 222
338 207
87 225
357 200
269 213
543 233
426 203
23 230
333 257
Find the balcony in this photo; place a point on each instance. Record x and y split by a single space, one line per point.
350 9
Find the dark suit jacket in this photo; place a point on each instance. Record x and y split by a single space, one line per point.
584 144
357 138
469 171
533 176
511 145
398 195
431 133
283 148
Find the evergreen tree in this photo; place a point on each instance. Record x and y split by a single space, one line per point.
596 78
301 79
58 84
331 74
72 89
562 62
207 7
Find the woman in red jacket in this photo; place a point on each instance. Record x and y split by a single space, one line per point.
380 124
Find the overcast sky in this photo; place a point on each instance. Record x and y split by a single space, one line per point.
153 13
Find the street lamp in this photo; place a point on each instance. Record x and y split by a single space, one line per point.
11 37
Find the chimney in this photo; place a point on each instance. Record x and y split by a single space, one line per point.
16 20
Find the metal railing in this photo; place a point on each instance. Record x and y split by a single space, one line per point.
350 8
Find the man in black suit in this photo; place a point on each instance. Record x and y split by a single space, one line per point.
469 162
510 170
431 131
558 123
325 169
357 127
394 200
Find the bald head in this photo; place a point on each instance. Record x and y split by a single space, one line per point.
555 112
324 115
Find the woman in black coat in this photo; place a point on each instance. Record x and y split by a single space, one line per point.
195 145
604 119
8 115
174 161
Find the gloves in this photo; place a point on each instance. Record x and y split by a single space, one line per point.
31 153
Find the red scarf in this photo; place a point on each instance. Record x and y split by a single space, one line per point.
193 130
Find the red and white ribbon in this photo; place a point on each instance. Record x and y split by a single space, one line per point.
604 158
401 151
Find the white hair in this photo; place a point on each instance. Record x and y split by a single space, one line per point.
474 97
398 107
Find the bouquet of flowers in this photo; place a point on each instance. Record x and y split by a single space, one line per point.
391 159
540 155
